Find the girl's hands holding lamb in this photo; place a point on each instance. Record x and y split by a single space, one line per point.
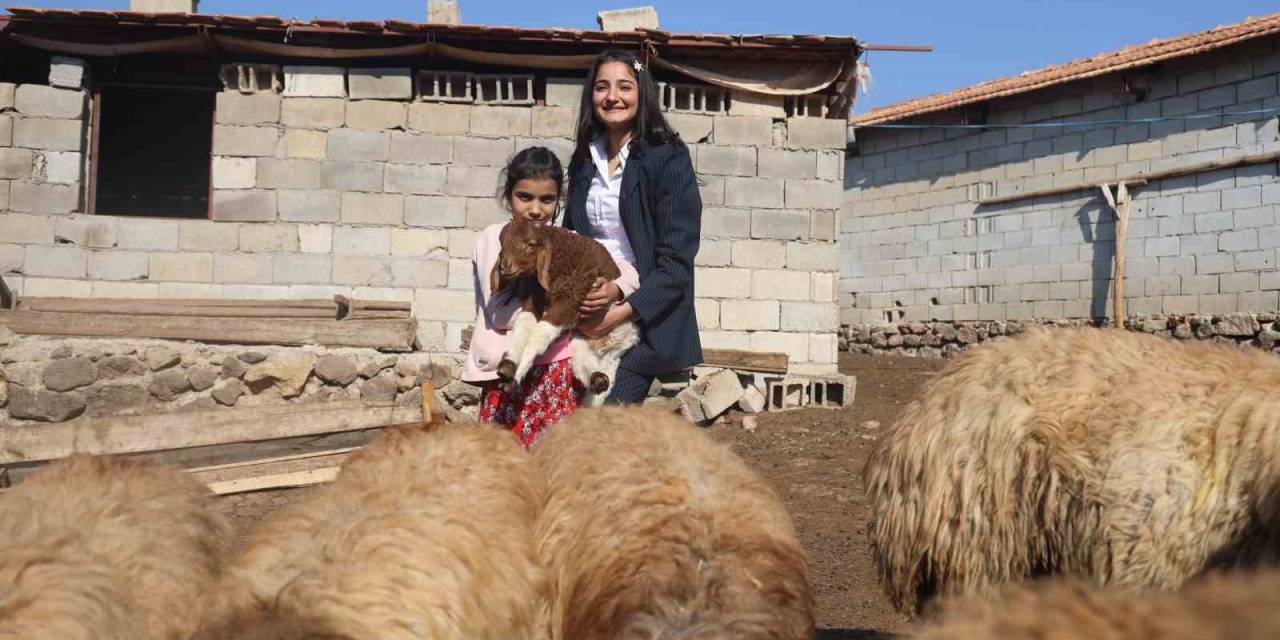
603 295
602 324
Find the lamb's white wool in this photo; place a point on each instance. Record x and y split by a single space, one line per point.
601 355
521 329
539 339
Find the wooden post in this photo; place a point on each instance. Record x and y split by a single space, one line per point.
1119 203
428 402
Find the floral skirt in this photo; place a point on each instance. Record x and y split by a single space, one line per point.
549 393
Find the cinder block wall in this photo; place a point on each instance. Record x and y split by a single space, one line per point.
342 184
915 246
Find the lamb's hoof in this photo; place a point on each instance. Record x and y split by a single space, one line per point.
506 370
599 382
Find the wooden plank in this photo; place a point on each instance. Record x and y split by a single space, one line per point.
387 335
1121 206
428 401
351 309
136 434
167 308
273 460
766 362
288 480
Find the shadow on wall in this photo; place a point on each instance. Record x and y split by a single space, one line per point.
1098 227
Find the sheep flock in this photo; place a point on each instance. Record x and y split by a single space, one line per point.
1063 483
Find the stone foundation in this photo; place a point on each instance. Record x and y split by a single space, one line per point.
945 339
45 379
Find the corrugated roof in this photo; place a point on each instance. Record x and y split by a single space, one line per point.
400 27
1103 63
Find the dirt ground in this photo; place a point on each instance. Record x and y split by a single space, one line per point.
814 457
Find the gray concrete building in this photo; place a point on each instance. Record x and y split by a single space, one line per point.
983 205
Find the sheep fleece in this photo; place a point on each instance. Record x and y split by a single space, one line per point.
102 548
652 531
426 533
1125 458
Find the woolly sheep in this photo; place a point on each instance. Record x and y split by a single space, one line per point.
552 270
651 531
1125 458
103 548
425 533
1244 606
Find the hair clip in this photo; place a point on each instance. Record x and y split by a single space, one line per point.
639 67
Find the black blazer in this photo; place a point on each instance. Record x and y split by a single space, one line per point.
661 210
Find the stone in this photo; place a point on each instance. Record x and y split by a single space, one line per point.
374 367
65 351
752 400
380 84
7 336
405 383
750 423
233 367
167 384
690 404
1240 325
460 394
160 358
722 390
871 425
228 393
44 406
202 377
114 398
287 375
567 92
443 12
253 357
336 370
628 19
381 387
69 373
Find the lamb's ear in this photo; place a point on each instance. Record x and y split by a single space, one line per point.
496 281
544 265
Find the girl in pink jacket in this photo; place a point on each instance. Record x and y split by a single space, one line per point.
532 186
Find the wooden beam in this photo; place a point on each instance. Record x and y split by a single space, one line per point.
349 309
273 460
174 308
388 335
292 479
137 434
766 362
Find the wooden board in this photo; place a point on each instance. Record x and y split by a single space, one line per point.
174 308
136 434
765 362
286 480
387 335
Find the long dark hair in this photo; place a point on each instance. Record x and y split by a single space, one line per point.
651 125
531 163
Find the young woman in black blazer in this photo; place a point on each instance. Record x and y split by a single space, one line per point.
632 187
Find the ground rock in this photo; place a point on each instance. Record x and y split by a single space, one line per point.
1240 325
112 367
380 388
113 398
69 373
160 358
233 367
337 370
44 406
288 375
229 392
202 377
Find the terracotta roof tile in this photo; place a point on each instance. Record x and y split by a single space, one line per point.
1103 63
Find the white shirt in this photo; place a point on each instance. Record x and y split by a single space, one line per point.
602 203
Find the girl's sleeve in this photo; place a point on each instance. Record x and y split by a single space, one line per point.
677 224
498 311
629 281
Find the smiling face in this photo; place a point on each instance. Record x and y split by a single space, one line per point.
615 96
535 200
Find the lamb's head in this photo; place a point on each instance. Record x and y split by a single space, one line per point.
526 251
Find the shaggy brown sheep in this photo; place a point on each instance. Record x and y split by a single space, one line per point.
1243 606
552 270
104 548
651 531
1126 458
425 533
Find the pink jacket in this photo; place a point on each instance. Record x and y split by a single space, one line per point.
489 339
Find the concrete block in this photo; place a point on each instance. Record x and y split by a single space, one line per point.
795 345
244 205
744 103
59 167
759 193
750 315
309 205
443 12
483 152
31 197
375 115
16 164
411 148
234 173
711 190
181 267
355 145
628 19
461 242
418 179
692 128
352 176
435 211
730 130
554 122
418 273
815 133
315 238
787 163
8 95
718 392
439 118
482 212
118 265
6 131
247 108
566 92
780 225
824 286
728 161
726 339
813 256
242 268
447 305
722 283
418 242
301 269
714 253
86 231
245 141
305 143
67 73
288 174
268 238
48 135
357 270
315 82
726 223
772 284
810 316
502 121
373 208
205 235
1242 198
814 194
147 234
42 101
164 6
367 241
477 182
313 113
379 84
55 262
822 225
759 254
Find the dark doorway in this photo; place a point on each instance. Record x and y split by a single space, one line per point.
154 147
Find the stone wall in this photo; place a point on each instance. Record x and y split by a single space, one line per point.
915 245
342 182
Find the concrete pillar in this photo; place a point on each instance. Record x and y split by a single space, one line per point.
164 6
628 19
443 12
